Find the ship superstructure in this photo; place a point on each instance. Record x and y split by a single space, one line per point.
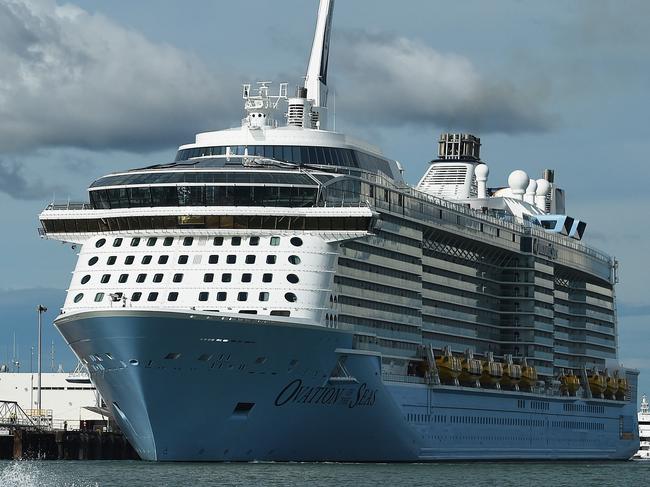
288 278
644 431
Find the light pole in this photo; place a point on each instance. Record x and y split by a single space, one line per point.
41 309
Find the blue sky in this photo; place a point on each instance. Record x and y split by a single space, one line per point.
92 87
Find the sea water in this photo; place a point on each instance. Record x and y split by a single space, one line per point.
135 474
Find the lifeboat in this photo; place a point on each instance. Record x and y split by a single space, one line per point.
569 384
621 391
449 367
611 386
597 382
511 374
528 376
471 370
491 372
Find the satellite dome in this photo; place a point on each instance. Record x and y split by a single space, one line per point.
542 187
481 171
532 187
518 181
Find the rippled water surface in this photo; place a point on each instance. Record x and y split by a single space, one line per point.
127 473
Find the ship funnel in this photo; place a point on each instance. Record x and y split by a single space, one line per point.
316 78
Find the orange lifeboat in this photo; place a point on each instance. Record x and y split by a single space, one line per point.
471 370
449 367
492 372
528 376
569 384
511 374
611 386
597 382
621 391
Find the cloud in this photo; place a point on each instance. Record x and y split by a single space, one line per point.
75 79
395 81
16 185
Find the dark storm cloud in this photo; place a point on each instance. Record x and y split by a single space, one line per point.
396 81
73 79
15 183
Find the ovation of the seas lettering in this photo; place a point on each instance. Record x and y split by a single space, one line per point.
295 392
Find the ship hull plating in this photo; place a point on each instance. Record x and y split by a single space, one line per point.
195 387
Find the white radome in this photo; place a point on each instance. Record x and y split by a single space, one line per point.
482 171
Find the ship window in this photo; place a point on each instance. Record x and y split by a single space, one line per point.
157 278
217 241
182 259
248 311
246 277
242 296
291 297
282 312
117 242
205 357
105 278
231 259
253 241
129 259
152 296
250 259
227 277
178 278
270 259
100 242
151 241
146 259
264 296
294 259
208 277
292 278
93 261
135 241
111 260
187 241
163 259
296 241
85 279
275 241
141 278
123 278
168 241
172 356
78 297
99 297
221 296
173 296
213 259
203 296
235 241
136 296
267 277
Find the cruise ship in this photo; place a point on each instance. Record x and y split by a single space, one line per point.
279 292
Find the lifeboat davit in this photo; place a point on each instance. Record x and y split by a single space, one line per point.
528 376
569 384
491 372
449 367
597 382
471 370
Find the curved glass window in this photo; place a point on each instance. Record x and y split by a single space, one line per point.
78 297
160 176
291 297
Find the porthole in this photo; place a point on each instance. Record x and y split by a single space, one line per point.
217 241
111 260
117 242
267 277
187 241
152 296
203 296
129 259
270 259
173 296
182 259
246 277
105 278
213 259
157 278
136 296
209 277
264 296
250 259
141 278
242 296
100 242
253 241
146 259
296 241
85 279
178 278
163 259
151 241
221 296
235 241
291 297
93 260
231 259
168 241
275 241
78 297
99 297
292 278
227 277
294 259
135 241
123 278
